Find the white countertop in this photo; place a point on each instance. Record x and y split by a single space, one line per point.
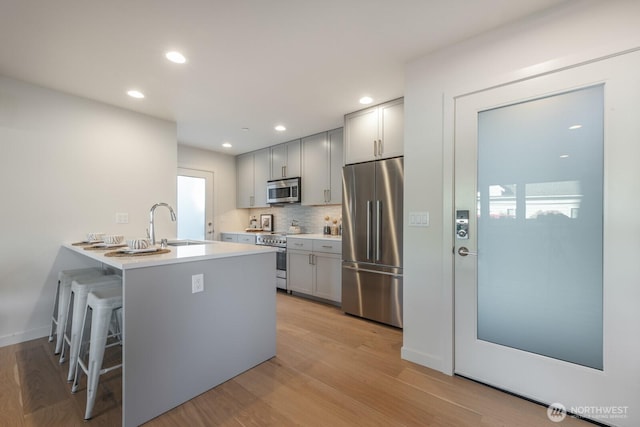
318 236
178 254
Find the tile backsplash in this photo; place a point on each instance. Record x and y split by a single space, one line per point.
310 218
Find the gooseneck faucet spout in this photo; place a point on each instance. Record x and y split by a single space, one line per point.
152 228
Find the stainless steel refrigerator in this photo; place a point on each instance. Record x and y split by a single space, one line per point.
372 240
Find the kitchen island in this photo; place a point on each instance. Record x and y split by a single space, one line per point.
179 344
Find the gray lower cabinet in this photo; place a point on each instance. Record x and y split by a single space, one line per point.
314 267
238 238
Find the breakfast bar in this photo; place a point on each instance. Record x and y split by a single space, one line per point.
179 341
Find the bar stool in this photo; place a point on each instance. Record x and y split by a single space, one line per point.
104 304
61 302
80 289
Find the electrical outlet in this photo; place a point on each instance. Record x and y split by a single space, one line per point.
197 283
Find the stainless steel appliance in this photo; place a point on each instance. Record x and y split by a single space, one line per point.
278 241
283 191
372 240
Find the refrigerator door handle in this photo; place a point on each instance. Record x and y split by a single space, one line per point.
368 229
378 229
366 270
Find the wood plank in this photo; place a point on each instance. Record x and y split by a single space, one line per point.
40 383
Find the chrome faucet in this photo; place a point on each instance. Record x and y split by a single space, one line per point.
152 229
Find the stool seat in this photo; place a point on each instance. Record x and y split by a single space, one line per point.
103 303
80 289
61 302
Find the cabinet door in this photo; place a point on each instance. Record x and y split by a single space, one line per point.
315 169
245 181
361 134
285 160
328 279
292 169
299 272
392 129
278 161
247 238
336 162
262 162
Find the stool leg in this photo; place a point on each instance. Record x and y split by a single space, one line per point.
76 332
78 371
99 330
63 315
55 316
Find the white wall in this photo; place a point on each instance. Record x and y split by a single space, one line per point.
67 165
225 215
569 35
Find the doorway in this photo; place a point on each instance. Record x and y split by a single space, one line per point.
542 265
195 204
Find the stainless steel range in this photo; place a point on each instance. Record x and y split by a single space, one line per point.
279 241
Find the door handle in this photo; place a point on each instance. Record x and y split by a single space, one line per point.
464 252
378 228
368 229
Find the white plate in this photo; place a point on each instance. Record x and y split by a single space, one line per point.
108 245
128 250
92 241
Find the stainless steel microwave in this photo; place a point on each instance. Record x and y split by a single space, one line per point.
283 191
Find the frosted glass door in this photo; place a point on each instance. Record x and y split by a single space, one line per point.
540 182
546 278
195 204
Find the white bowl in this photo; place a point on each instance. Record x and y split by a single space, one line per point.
113 239
139 243
92 237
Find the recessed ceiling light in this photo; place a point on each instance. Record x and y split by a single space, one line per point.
227 145
280 128
564 156
176 57
135 94
245 129
574 127
366 100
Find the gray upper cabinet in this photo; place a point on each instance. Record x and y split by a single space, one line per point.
322 168
285 160
375 133
252 175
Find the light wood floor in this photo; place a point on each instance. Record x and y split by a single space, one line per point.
330 370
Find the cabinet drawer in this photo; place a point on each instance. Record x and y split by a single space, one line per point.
228 237
329 246
300 244
244 238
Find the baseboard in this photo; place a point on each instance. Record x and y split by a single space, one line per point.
23 336
423 359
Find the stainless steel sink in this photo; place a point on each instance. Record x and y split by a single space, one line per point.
185 242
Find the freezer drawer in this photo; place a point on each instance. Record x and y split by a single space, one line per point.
372 293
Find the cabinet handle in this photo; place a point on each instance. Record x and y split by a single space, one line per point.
375 148
379 147
251 200
283 170
327 246
328 195
298 244
310 262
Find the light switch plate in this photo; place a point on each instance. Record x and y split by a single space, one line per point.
122 218
419 219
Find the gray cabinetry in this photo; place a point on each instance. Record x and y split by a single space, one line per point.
375 133
322 168
252 171
285 160
314 267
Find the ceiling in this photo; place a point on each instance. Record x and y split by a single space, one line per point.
250 63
